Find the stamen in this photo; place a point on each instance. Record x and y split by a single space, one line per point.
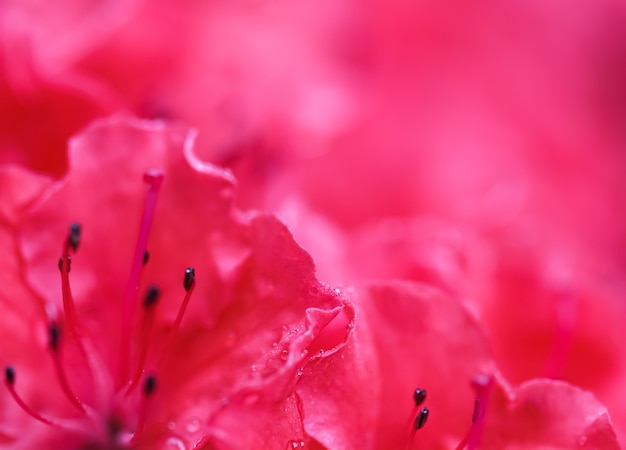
419 396
189 283
72 242
149 304
418 418
9 381
154 180
54 342
190 278
149 388
421 418
482 385
73 238
71 323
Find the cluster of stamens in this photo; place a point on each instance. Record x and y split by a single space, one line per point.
126 379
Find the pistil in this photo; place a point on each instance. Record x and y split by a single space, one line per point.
154 180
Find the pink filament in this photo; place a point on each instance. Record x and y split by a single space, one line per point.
71 319
177 322
482 385
154 180
65 386
146 330
183 308
27 408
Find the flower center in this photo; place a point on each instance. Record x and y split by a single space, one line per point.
120 420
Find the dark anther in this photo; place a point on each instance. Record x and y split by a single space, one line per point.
9 375
69 264
419 396
54 336
421 418
150 385
146 257
190 278
152 296
73 238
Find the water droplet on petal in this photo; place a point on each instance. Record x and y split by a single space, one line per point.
582 441
295 444
173 443
193 425
284 355
171 425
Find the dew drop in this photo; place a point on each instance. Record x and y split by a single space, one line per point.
284 355
193 425
171 425
173 443
295 444
582 441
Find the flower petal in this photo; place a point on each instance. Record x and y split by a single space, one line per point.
407 335
257 306
547 414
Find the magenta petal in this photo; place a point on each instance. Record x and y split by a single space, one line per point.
406 336
548 414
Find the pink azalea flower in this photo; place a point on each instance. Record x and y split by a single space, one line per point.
220 373
256 352
249 352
